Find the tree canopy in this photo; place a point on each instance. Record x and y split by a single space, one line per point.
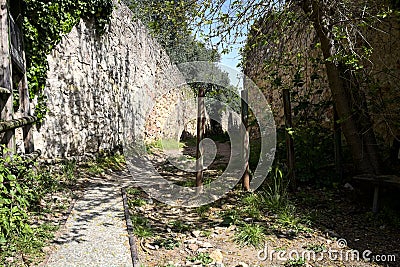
343 30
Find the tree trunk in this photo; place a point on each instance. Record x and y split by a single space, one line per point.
363 161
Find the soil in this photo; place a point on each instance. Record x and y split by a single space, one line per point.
330 225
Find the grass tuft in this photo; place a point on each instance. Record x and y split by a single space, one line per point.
250 235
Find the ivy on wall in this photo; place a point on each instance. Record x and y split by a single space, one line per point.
45 22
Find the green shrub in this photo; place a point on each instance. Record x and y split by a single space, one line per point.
19 184
275 196
250 235
23 184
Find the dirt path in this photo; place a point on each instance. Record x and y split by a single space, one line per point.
95 232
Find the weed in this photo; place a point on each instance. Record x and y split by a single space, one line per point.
316 247
203 257
251 199
163 144
230 217
275 196
136 202
114 162
288 217
68 169
179 226
206 233
250 234
141 226
202 210
168 243
300 262
251 212
133 191
23 184
187 183
95 170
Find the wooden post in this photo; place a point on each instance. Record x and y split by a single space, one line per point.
26 111
375 206
337 135
246 143
16 123
6 100
201 119
289 139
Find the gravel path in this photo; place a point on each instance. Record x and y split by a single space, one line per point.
95 233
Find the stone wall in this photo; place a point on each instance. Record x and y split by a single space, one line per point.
381 83
101 90
379 78
273 67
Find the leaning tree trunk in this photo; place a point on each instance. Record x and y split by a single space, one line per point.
363 161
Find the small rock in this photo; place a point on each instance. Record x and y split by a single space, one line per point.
191 241
331 233
196 233
242 264
42 203
10 259
206 245
217 256
46 249
193 264
56 198
202 250
348 186
232 227
219 229
193 247
147 245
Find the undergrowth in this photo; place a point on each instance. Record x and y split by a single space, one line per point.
26 196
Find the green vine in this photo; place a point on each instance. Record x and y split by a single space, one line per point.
45 22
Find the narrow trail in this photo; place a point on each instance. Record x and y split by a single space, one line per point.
95 233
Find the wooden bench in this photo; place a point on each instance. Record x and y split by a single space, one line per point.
378 181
